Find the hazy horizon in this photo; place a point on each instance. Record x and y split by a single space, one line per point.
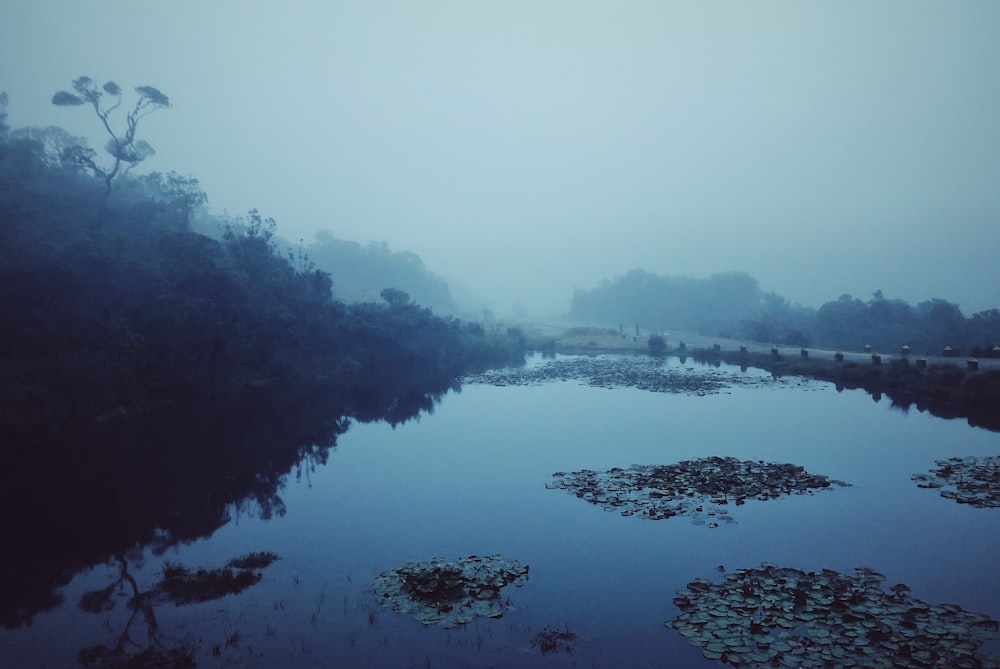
527 149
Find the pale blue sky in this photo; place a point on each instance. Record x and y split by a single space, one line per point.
526 148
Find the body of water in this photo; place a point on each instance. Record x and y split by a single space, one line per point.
470 478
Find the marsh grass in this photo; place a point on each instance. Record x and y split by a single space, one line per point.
182 586
552 640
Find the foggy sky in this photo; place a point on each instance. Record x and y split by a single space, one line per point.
527 148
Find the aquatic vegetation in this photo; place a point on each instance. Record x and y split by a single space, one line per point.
101 657
179 585
971 480
640 372
253 560
553 639
182 586
450 593
771 616
695 488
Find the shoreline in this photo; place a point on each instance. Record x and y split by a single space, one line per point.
946 387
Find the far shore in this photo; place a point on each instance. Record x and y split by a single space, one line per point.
950 387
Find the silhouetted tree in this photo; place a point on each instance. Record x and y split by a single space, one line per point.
124 149
839 323
169 194
780 322
361 271
395 297
3 115
56 147
890 323
942 321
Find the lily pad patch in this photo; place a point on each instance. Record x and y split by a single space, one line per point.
704 489
641 372
450 593
971 480
772 616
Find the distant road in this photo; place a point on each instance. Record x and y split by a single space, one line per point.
701 341
580 337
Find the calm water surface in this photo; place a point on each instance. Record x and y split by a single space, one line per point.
470 479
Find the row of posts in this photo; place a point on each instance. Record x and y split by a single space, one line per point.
972 364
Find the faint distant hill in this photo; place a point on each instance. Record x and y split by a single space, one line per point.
361 272
713 305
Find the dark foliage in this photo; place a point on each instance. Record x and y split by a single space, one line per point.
779 322
888 324
882 323
657 344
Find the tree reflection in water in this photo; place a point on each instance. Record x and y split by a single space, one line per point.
72 501
129 651
178 585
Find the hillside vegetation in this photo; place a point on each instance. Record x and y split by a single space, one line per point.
113 304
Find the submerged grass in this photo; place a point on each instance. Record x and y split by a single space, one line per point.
182 586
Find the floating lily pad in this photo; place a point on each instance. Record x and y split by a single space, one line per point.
450 593
702 489
772 616
971 480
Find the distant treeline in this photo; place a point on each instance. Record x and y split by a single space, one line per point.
732 304
360 273
716 304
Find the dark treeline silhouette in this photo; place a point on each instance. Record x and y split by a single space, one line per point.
152 377
884 324
731 304
887 324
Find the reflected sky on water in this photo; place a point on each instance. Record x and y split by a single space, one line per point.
470 479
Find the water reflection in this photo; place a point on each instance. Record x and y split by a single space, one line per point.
179 586
142 617
172 476
472 481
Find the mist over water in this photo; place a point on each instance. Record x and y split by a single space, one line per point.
529 149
